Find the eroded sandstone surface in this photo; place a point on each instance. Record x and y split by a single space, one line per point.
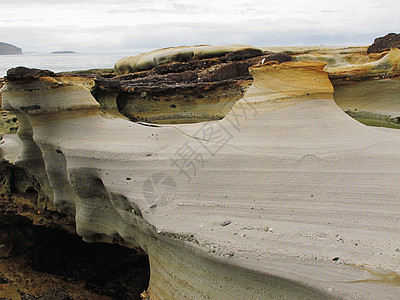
195 89
181 85
285 197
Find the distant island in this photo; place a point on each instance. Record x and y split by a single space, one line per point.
62 52
8 49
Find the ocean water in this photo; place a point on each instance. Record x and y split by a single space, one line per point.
61 62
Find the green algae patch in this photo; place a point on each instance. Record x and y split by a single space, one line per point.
377 122
8 123
88 72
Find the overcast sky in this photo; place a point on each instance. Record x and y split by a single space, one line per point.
123 25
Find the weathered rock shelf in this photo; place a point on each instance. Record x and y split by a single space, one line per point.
285 197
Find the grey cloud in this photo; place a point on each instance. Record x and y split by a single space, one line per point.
16 3
121 38
330 11
214 33
255 26
21 3
185 7
173 8
141 11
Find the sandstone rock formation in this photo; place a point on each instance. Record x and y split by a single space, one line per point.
205 87
329 55
369 92
8 49
149 60
286 197
372 102
387 66
385 43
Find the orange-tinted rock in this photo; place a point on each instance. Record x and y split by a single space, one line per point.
386 67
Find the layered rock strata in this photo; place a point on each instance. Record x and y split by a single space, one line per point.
181 85
372 102
369 92
386 67
149 60
285 197
178 88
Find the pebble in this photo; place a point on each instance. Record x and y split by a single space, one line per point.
397 249
226 223
268 229
144 295
336 258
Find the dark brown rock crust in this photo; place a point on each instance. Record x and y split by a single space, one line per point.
385 43
205 73
169 91
25 74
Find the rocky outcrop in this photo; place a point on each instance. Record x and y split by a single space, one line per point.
63 52
149 60
27 74
194 89
204 87
366 86
273 201
391 40
25 195
8 49
386 67
372 102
